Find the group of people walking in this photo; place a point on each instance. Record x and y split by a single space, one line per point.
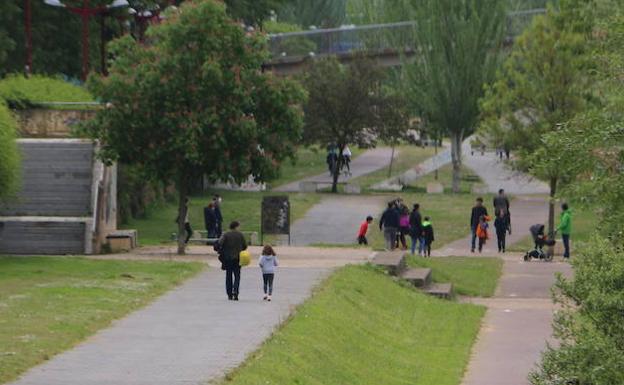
479 225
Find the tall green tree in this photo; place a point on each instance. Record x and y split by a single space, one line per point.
195 102
539 89
253 12
320 13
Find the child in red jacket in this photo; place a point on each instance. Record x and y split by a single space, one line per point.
361 236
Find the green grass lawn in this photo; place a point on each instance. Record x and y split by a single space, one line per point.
310 161
363 328
48 304
37 88
449 213
472 276
241 206
409 156
445 177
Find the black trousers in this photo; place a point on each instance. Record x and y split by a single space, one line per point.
268 283
232 280
189 231
362 240
500 238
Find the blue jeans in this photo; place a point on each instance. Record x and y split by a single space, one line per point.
474 238
421 244
566 245
232 280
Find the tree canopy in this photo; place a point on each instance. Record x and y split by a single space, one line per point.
195 102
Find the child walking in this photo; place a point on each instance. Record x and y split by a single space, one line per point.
427 229
268 263
482 230
361 237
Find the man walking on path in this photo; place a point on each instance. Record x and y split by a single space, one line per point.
230 245
416 231
477 212
565 227
390 223
501 205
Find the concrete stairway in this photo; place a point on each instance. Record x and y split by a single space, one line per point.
395 264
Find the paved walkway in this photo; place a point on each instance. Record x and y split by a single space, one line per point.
517 324
496 174
370 161
336 219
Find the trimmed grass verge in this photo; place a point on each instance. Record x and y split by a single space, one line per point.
363 328
241 206
472 276
49 304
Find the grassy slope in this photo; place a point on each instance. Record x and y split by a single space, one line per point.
48 304
449 214
364 328
409 156
241 206
39 88
473 276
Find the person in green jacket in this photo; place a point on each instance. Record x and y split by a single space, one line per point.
565 227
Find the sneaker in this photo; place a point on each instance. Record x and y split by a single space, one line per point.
230 297
269 298
264 298
235 297
472 250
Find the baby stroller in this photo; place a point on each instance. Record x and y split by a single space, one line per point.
541 240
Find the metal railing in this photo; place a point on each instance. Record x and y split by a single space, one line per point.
368 38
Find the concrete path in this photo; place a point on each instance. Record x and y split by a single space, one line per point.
525 212
370 161
190 335
336 219
496 174
517 324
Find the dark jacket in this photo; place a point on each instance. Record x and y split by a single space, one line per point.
218 215
501 225
415 224
390 218
231 244
500 202
428 233
210 220
477 211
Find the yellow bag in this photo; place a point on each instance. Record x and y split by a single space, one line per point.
244 258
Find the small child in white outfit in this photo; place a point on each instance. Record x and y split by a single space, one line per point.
268 263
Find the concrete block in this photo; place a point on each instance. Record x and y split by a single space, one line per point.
435 188
418 277
308 186
440 290
392 261
352 188
479 189
387 186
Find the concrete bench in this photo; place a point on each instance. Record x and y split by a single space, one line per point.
313 186
122 240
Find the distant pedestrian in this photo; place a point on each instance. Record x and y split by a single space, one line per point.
404 226
500 224
210 221
268 262
507 150
187 223
346 155
477 211
482 231
389 222
565 228
216 200
361 236
428 236
416 232
501 205
230 245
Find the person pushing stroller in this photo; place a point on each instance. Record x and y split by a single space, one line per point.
540 240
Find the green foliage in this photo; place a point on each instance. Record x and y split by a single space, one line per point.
20 91
50 304
300 45
9 155
590 324
252 12
363 328
318 13
472 276
195 102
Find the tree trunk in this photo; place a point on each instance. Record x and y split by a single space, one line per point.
435 173
182 208
551 214
391 161
337 167
456 143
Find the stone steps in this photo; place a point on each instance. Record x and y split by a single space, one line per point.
395 264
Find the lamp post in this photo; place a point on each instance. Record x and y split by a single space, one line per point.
28 36
85 12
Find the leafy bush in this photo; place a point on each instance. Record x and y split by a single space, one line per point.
291 46
9 156
21 92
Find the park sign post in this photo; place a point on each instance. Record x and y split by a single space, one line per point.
275 217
